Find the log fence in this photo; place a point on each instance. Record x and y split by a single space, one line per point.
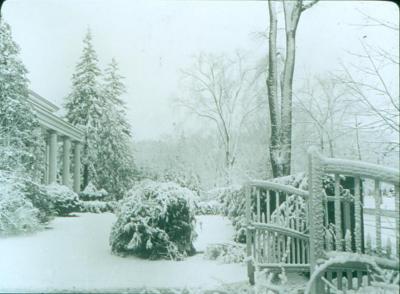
297 230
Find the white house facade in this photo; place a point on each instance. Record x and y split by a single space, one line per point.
57 132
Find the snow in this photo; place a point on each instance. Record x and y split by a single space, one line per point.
213 229
388 230
387 202
343 258
388 223
74 254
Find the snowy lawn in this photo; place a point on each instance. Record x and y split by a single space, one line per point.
74 254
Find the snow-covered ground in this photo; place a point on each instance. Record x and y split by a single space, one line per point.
74 254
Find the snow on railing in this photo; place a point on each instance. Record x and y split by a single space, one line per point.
268 185
294 229
361 169
348 217
276 217
348 260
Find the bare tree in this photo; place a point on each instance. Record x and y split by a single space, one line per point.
327 108
225 91
371 78
374 92
280 98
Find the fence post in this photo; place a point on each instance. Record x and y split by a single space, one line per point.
250 265
315 214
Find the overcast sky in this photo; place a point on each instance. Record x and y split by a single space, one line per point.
153 40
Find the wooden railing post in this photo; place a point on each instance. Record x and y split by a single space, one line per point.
250 265
315 214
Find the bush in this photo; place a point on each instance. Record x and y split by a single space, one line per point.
97 206
91 193
185 179
226 252
40 199
234 206
17 213
210 207
63 200
156 220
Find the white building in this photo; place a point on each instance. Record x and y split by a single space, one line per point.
57 132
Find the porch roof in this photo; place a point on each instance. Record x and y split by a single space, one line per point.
45 109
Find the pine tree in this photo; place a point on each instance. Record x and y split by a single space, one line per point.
107 156
115 163
20 141
113 89
84 105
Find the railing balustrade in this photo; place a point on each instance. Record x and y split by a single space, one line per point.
276 227
348 233
298 230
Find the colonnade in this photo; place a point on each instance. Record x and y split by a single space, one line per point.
56 129
52 149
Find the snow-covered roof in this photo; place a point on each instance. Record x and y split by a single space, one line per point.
35 98
45 112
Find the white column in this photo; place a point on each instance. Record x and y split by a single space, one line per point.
53 157
66 161
77 167
47 155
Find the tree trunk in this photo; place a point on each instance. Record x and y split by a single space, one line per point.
286 108
1 5
281 127
272 85
331 152
292 12
321 141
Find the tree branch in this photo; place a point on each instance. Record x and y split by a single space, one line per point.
309 5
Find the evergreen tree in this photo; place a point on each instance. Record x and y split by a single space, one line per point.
107 156
113 90
84 105
20 139
115 163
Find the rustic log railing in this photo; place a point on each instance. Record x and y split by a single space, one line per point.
277 228
346 234
297 230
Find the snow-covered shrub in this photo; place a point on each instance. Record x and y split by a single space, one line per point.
292 210
91 193
226 252
63 199
97 206
155 220
234 206
299 181
185 179
11 158
210 207
17 213
40 199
